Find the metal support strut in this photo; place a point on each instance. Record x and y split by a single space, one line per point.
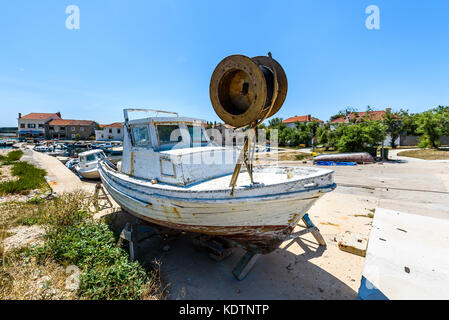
135 234
248 260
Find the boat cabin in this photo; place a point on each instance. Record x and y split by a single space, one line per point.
173 150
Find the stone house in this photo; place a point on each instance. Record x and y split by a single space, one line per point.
70 129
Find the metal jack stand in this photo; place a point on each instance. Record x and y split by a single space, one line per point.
249 259
135 234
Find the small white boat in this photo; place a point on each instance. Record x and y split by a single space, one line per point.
88 164
173 183
40 148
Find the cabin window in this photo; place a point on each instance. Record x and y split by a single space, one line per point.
168 134
196 135
90 157
141 136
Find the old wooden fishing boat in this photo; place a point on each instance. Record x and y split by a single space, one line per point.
172 185
172 174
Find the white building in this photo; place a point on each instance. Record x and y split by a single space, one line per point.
33 125
111 132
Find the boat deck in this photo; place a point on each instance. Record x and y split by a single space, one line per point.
263 177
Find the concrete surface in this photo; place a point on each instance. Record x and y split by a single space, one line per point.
407 258
300 269
59 177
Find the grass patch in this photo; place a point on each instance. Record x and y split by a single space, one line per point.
11 157
29 178
426 154
75 238
294 156
23 278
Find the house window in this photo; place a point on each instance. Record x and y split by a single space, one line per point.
73 128
22 125
73 136
82 129
141 136
52 128
118 131
41 126
31 126
110 130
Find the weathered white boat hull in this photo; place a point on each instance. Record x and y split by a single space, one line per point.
257 218
88 174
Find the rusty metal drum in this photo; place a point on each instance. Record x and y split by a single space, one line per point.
242 89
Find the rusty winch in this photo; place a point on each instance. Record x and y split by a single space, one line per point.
245 91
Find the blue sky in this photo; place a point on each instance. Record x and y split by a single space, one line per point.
161 54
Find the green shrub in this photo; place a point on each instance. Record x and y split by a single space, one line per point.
107 272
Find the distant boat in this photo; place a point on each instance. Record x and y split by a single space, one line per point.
88 164
357 157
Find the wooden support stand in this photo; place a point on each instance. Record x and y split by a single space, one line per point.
218 248
249 259
100 194
310 228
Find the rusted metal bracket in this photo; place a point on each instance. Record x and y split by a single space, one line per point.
244 158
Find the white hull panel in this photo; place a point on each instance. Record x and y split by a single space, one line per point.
258 217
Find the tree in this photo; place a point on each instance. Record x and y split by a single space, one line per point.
393 126
343 113
430 126
327 136
409 122
77 137
359 136
275 123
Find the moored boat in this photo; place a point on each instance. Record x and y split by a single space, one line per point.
88 164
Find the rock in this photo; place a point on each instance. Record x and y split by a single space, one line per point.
354 243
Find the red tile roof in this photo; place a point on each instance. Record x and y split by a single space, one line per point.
301 119
112 125
40 116
61 122
372 115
